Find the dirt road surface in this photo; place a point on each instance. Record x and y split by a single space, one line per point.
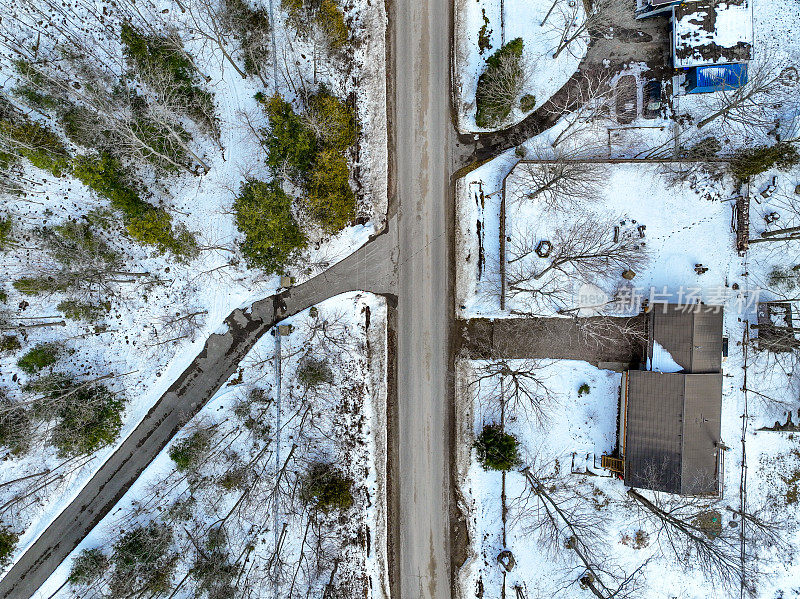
422 165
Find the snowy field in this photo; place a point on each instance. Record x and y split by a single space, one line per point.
264 432
480 23
162 309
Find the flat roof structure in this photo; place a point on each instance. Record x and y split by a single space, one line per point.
711 32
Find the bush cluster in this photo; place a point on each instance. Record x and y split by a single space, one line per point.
39 358
9 343
291 145
213 570
749 162
5 231
84 260
312 149
330 19
313 372
88 566
505 64
272 236
90 418
251 28
85 311
87 416
188 452
160 60
327 488
497 450
143 563
86 128
15 424
331 200
144 222
326 15
38 143
8 542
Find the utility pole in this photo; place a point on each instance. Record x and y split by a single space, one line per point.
277 515
274 53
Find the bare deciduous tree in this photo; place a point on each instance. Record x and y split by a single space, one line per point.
588 101
585 249
175 326
518 385
557 184
565 517
212 22
767 97
692 529
604 332
572 23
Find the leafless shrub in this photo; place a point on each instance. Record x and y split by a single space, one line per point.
558 184
518 386
573 24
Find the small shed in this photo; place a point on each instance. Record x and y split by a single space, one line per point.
776 330
714 78
711 40
711 32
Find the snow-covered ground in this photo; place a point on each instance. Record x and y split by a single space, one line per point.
342 422
687 220
581 426
483 20
144 339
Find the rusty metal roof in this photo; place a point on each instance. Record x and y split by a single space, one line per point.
712 32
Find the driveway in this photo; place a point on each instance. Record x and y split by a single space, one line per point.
599 339
634 41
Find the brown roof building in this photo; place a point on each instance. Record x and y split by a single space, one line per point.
670 420
691 335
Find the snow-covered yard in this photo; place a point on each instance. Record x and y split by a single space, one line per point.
481 29
670 218
581 423
261 435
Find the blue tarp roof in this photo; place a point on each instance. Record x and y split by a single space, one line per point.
716 77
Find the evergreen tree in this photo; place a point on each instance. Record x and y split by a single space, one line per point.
272 236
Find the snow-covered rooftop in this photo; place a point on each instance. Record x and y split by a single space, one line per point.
712 32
